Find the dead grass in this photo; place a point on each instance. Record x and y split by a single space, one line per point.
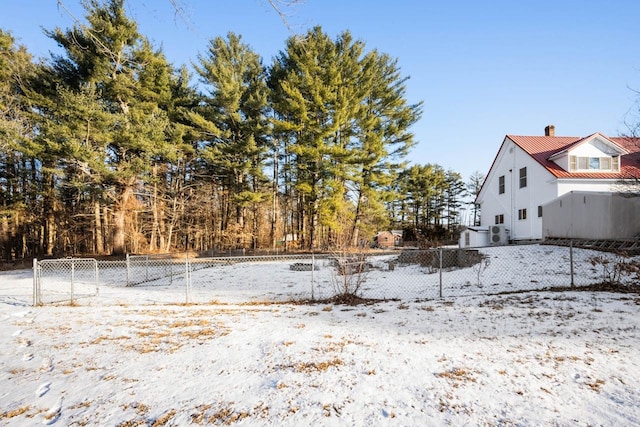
133 423
458 376
309 367
164 419
83 404
164 335
140 408
14 412
224 414
596 385
348 299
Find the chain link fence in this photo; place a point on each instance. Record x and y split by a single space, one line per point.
403 275
65 280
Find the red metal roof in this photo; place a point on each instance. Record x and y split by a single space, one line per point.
541 148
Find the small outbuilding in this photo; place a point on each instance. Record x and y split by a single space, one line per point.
477 237
388 239
473 237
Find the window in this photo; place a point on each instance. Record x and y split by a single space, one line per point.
523 177
467 239
500 219
522 214
501 184
583 163
539 211
604 164
573 163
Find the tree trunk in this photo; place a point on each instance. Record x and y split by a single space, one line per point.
355 230
118 232
155 208
99 237
274 201
119 222
106 227
5 238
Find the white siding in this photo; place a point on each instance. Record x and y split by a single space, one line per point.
476 238
562 161
595 148
567 185
592 215
541 188
588 150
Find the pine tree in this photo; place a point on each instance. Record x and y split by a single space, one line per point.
423 189
384 136
303 79
345 121
110 58
473 189
235 108
18 165
455 190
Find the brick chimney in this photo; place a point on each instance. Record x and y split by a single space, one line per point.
550 130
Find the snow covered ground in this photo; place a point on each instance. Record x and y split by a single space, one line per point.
526 359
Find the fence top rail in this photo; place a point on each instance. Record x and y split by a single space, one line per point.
67 260
246 258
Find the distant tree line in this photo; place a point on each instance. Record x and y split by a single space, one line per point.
108 148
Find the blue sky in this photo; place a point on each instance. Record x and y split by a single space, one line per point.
482 68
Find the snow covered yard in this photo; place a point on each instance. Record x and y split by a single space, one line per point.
545 358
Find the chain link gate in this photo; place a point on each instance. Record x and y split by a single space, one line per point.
64 280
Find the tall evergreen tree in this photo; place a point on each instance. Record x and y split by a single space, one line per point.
473 189
346 123
454 192
235 109
18 166
384 136
304 81
423 188
111 58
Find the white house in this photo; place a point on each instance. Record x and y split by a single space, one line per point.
530 171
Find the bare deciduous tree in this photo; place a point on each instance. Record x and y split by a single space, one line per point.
181 13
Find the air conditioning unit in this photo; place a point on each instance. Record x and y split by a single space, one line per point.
497 235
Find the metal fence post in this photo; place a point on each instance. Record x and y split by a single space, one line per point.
97 277
313 266
440 271
127 268
73 266
573 285
36 285
187 279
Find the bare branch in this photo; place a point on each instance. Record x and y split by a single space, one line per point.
279 4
